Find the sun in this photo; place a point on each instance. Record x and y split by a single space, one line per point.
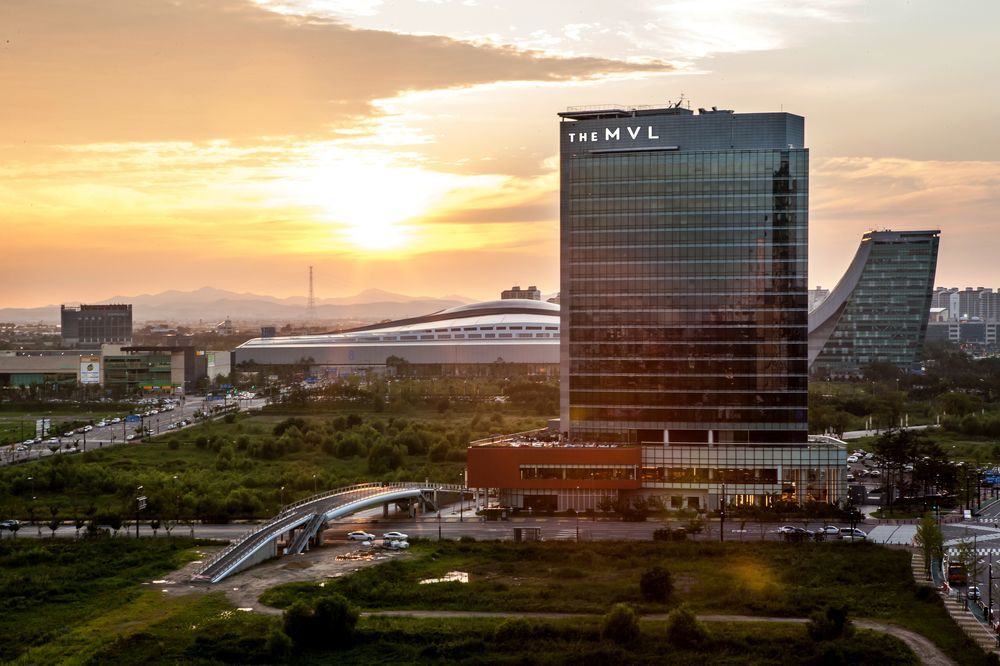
371 200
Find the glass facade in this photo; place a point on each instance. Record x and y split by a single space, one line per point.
684 289
878 314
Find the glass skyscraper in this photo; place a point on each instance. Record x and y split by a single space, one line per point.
684 298
878 311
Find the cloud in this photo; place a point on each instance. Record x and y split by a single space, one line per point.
82 71
852 195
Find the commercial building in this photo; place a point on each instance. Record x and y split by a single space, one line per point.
90 326
532 293
683 242
878 311
120 370
518 336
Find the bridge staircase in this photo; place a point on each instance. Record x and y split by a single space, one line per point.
307 532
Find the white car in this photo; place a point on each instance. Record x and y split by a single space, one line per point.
829 530
787 529
397 545
852 533
395 536
360 535
852 459
116 420
101 423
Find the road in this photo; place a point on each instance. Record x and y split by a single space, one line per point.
116 434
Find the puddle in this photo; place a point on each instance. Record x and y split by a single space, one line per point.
450 577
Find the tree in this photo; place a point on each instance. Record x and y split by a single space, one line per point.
154 525
385 457
684 630
656 584
930 541
53 525
329 620
620 625
829 624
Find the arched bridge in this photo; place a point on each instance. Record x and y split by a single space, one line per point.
305 518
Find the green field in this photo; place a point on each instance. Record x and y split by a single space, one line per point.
50 588
222 471
83 602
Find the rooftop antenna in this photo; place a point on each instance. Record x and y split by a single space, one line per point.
680 102
311 303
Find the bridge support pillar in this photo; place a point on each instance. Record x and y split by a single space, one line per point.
385 510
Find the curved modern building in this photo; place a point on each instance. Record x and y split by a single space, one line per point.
878 311
452 341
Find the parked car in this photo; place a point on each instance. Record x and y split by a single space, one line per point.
116 420
9 524
395 536
360 535
852 459
852 533
829 530
974 594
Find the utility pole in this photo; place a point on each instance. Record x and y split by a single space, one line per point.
311 303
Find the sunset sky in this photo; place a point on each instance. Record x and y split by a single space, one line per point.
148 145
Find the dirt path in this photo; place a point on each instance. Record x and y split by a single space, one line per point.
928 653
244 589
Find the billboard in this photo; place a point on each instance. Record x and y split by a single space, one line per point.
90 369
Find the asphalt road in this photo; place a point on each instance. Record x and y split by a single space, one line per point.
116 434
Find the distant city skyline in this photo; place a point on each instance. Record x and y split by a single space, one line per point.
407 146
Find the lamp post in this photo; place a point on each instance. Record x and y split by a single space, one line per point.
314 484
722 515
461 497
281 509
140 504
577 512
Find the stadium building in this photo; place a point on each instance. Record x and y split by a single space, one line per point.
512 336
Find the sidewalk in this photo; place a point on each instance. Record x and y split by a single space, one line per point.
965 619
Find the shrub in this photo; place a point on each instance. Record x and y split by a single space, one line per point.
620 625
174 444
684 630
279 645
330 620
656 584
829 624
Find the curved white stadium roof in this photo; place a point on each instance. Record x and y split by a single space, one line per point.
513 330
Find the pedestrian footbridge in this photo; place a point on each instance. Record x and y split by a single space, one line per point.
304 519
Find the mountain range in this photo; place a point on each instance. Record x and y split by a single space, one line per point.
211 305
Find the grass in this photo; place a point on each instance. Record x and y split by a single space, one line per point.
81 602
205 631
60 596
764 579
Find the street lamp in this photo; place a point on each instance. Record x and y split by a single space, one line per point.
577 512
722 515
140 504
314 484
461 498
282 508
